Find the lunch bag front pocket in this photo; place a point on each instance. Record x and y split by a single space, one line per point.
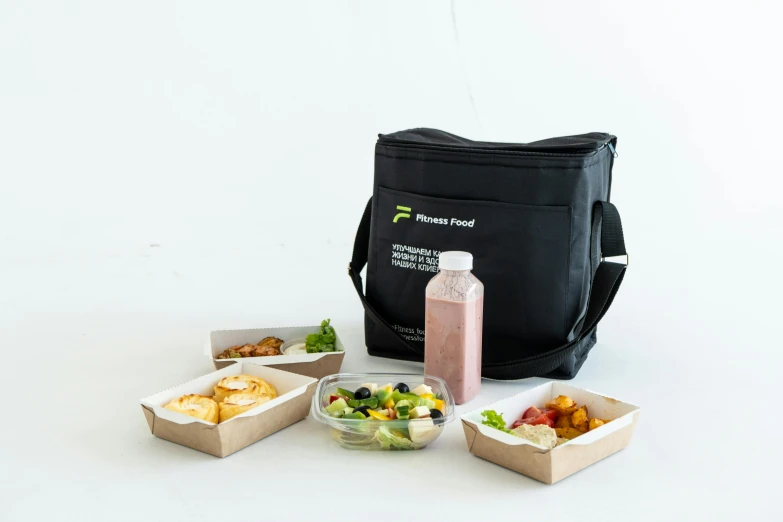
521 254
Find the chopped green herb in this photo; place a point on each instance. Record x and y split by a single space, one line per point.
323 341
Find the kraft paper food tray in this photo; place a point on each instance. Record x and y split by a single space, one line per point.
291 405
550 466
315 365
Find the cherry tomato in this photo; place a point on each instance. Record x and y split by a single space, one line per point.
531 413
541 419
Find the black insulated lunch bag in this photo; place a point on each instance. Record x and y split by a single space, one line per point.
536 218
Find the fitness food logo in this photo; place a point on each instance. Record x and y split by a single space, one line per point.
405 213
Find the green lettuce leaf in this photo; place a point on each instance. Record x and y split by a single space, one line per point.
323 341
495 420
389 440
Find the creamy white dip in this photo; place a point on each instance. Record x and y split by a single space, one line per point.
296 349
540 434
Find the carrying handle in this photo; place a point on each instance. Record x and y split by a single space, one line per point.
607 277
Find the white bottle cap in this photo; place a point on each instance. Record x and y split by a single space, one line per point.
455 260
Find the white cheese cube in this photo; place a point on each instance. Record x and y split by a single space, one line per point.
370 386
423 431
419 412
421 389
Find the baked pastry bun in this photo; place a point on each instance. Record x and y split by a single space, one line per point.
243 384
198 406
238 403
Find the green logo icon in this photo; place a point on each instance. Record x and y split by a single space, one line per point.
403 214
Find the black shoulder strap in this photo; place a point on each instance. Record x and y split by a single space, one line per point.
606 281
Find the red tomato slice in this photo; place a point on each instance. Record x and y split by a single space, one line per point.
333 398
531 413
545 419
541 419
552 414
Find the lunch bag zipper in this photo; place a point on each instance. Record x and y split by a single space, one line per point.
518 150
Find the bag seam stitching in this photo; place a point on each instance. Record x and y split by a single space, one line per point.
581 167
568 272
484 202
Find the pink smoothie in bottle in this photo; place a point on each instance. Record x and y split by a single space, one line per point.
453 323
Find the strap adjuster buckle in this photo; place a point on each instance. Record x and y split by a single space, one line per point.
627 258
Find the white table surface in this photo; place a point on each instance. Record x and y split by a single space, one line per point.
173 168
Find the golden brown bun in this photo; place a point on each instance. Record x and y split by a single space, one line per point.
198 406
238 403
253 385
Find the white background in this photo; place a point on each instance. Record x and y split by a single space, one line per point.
169 168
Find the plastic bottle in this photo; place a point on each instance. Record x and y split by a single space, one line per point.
453 325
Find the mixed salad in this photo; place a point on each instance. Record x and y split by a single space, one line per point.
413 418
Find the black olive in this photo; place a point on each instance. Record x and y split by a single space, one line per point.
361 393
435 415
402 387
362 410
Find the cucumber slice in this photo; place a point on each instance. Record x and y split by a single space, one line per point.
372 402
404 404
430 404
403 409
337 407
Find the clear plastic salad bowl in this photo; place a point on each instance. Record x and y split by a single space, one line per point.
374 434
